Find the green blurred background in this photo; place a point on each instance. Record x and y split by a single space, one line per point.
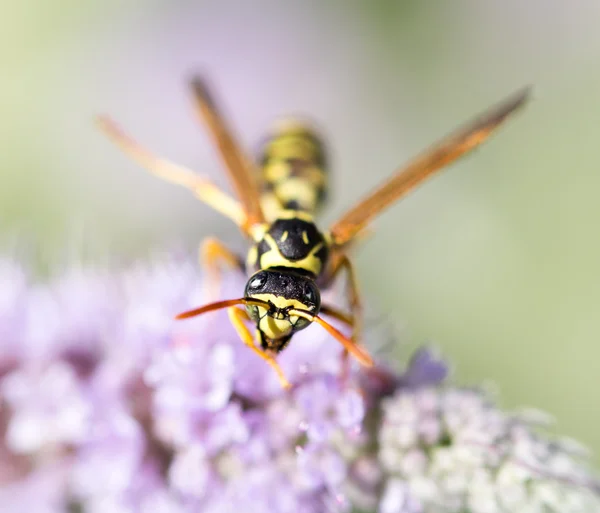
496 260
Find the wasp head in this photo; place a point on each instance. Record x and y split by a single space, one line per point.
282 292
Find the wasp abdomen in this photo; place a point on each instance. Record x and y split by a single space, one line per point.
293 169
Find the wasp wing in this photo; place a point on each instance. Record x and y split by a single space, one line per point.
203 188
416 171
238 166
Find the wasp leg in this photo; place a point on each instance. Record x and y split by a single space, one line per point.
337 314
343 263
213 257
237 318
354 301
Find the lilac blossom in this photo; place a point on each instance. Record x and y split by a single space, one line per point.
109 405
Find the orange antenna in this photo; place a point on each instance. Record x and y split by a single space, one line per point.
354 349
221 304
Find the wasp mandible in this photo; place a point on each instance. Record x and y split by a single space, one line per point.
290 259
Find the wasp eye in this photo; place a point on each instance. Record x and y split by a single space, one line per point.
256 282
311 295
253 313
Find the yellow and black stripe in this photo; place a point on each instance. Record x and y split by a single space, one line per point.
290 258
294 169
291 241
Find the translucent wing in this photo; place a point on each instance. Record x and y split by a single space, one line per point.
239 168
435 158
203 188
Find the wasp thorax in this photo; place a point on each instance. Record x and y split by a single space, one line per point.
291 243
283 292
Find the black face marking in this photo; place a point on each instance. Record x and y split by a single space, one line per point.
287 284
302 237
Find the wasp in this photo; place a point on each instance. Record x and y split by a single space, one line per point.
291 259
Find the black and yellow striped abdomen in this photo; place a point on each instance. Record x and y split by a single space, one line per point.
293 167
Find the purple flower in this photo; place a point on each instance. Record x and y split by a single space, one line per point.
452 450
109 405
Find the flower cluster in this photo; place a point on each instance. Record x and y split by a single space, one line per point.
107 405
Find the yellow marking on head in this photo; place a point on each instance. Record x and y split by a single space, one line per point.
305 237
271 327
276 328
284 236
280 301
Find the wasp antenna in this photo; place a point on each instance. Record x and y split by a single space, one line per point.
210 308
219 305
352 347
